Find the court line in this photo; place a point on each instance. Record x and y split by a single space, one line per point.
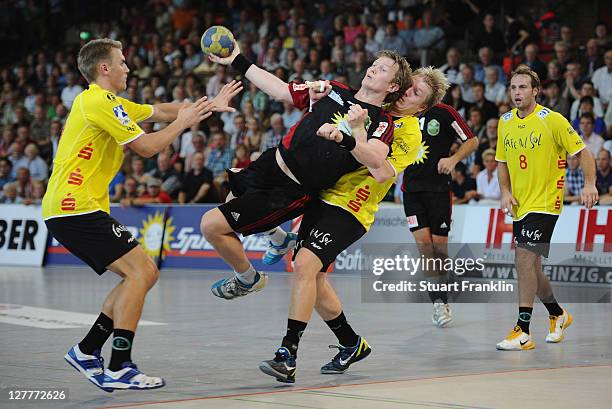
350 385
442 405
293 405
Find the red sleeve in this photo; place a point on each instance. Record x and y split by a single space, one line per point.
339 84
458 124
384 129
299 94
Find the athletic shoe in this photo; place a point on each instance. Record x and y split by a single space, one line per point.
557 326
282 367
517 340
129 377
92 366
274 253
230 288
346 356
442 315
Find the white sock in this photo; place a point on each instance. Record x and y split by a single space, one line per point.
277 236
248 277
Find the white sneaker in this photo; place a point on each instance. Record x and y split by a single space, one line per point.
129 377
557 326
517 340
442 315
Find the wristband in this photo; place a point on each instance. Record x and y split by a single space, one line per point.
241 64
347 142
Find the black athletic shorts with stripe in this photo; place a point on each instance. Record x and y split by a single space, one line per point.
96 238
265 196
327 231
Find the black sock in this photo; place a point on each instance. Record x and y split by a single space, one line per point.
343 331
97 335
436 296
295 329
122 348
552 306
524 317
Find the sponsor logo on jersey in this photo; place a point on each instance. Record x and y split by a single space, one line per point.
543 113
111 97
382 127
299 87
86 152
398 125
560 183
336 97
361 196
121 115
433 127
459 131
68 203
561 163
507 116
76 178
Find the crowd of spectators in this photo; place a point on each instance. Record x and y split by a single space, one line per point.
471 41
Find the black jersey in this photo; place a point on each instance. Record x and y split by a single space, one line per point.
441 126
316 162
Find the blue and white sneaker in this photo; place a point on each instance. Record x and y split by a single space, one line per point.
346 356
230 288
92 366
274 254
282 367
129 377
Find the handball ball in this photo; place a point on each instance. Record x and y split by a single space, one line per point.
217 40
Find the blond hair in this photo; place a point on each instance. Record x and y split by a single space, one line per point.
488 152
437 81
525 70
403 76
94 52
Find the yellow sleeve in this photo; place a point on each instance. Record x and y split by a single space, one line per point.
406 146
565 135
137 112
500 150
111 115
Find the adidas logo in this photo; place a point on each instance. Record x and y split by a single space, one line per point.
235 215
443 225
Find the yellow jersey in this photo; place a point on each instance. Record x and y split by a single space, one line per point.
90 152
358 192
535 149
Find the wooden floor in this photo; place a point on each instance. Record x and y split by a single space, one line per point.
208 349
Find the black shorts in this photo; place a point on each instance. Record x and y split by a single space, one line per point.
429 209
96 238
534 231
265 197
327 230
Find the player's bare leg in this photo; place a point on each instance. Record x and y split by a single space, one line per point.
301 304
559 318
218 232
304 289
124 304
